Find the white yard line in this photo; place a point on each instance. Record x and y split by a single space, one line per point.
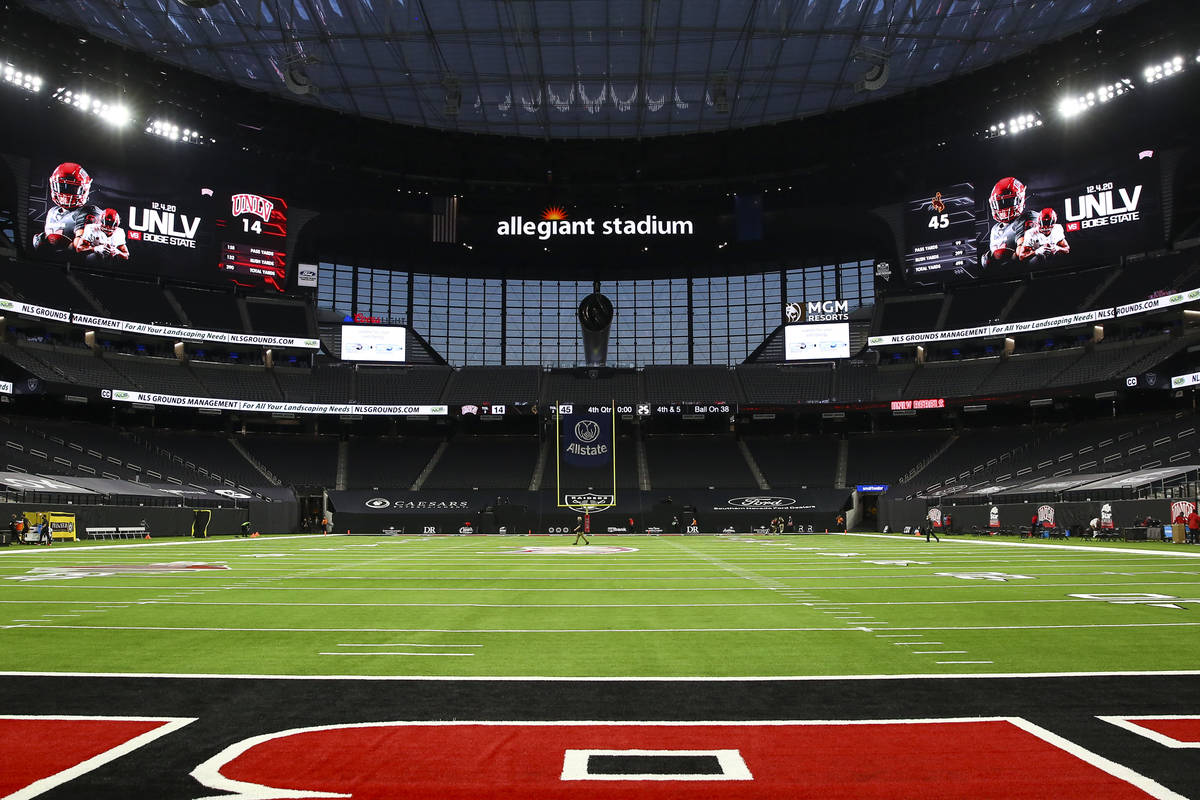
1076 548
395 654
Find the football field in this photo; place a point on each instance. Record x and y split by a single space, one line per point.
624 607
393 668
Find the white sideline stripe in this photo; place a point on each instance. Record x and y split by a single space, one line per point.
1077 548
964 662
617 630
1129 723
173 602
38 787
916 642
234 541
395 654
938 652
610 678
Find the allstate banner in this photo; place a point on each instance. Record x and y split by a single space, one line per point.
585 435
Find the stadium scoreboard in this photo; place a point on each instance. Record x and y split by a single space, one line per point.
940 231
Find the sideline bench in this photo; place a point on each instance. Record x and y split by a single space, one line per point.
135 532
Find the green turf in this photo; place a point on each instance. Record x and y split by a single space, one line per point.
676 606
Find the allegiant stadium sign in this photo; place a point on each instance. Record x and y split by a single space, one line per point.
554 223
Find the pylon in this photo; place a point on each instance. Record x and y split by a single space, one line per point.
147 536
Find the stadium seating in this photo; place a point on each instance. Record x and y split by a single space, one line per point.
703 384
209 310
278 318
297 461
493 384
974 305
591 386
1141 279
1052 296
792 461
799 383
45 285
486 462
697 461
949 378
71 364
401 385
237 382
135 300
212 454
902 315
392 463
886 457
168 376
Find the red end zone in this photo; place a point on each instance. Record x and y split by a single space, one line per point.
42 752
968 759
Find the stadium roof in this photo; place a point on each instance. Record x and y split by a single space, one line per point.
583 68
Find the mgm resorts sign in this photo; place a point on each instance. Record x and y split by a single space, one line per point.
817 311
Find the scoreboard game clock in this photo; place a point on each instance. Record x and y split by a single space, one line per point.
940 231
253 240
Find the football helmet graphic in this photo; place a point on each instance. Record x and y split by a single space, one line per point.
110 220
69 185
1047 220
1008 199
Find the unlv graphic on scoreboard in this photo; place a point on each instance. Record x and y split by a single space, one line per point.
88 213
1011 220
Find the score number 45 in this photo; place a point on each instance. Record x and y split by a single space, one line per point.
939 221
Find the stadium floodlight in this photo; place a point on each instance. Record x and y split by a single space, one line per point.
1073 106
1156 72
21 78
169 130
1014 125
114 113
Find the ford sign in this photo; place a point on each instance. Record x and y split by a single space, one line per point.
762 502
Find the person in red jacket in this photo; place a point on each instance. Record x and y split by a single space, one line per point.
1193 525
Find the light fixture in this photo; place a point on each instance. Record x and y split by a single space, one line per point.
21 78
169 130
115 113
1014 125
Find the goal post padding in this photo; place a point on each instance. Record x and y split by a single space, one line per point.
585 464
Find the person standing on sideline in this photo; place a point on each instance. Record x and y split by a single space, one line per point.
44 531
1033 526
929 531
579 533
1193 526
245 532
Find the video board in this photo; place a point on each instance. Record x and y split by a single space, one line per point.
374 343
1009 220
92 214
816 341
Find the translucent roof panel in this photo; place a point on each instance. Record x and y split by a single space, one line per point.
583 68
